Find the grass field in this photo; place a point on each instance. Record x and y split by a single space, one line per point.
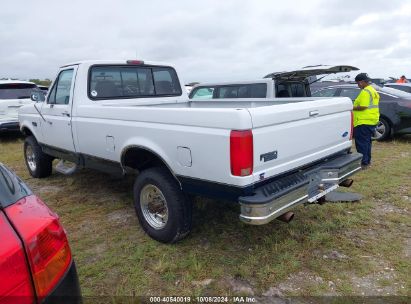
333 249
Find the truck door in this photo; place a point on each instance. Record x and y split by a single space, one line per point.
57 111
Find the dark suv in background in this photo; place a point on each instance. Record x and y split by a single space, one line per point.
406 87
395 106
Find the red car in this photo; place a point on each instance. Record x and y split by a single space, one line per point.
36 264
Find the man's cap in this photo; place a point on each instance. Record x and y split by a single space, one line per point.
402 76
362 77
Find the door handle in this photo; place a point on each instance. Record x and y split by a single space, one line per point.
65 113
314 113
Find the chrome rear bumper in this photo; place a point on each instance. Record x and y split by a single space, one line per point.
276 198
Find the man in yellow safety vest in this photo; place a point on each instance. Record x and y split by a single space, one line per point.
366 117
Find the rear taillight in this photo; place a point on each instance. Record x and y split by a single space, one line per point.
45 241
241 152
15 280
352 125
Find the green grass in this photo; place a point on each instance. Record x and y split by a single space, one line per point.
115 257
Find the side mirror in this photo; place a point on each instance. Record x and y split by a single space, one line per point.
37 96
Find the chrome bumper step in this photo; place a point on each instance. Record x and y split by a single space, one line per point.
281 195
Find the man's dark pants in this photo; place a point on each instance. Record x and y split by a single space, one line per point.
362 136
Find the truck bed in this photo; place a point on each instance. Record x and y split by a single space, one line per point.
280 126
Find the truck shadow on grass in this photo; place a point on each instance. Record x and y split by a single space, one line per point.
11 137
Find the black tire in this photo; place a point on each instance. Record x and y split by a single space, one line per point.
38 163
178 210
383 130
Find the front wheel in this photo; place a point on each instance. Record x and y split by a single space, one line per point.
38 163
162 208
382 130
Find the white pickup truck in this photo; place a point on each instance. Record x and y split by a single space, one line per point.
295 83
134 116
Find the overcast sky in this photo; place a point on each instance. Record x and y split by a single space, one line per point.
207 40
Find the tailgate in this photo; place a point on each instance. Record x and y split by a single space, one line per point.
288 136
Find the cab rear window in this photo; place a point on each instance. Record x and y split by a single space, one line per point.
112 82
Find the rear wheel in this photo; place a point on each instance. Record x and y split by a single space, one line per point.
162 208
382 131
38 163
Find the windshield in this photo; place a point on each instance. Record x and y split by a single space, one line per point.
16 90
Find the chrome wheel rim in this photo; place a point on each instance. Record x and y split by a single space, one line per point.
154 206
31 158
379 130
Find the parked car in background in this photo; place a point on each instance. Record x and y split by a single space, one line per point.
43 88
189 86
241 89
13 95
405 87
36 264
274 85
395 107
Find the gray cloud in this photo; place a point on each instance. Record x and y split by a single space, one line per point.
208 40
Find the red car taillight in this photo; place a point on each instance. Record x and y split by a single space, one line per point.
45 241
15 280
352 125
241 152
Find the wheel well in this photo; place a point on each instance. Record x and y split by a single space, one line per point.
390 123
140 159
26 131
387 120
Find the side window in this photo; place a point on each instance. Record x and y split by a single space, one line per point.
351 93
255 90
324 93
203 93
52 95
227 92
258 90
60 94
243 91
297 90
282 91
